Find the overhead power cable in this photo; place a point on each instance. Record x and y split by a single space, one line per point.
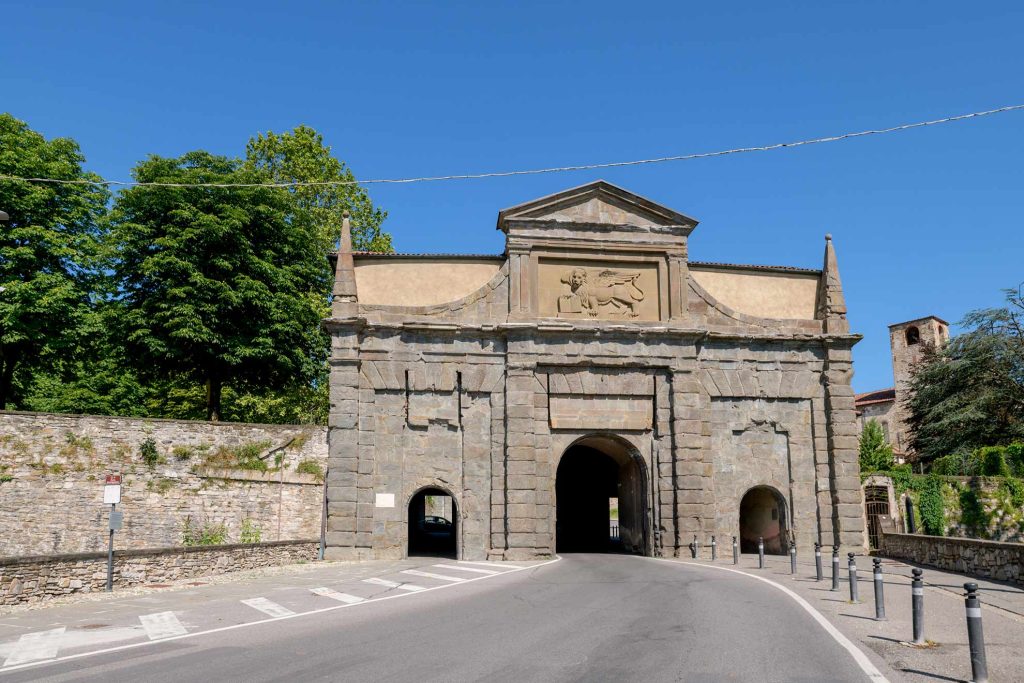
535 171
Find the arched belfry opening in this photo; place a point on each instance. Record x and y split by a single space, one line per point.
763 515
600 502
433 524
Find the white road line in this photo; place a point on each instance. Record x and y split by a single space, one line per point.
251 624
443 577
467 569
411 587
490 564
162 625
34 647
335 595
267 607
866 665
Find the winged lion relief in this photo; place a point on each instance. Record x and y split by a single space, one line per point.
607 292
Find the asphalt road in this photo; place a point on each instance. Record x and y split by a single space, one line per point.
584 618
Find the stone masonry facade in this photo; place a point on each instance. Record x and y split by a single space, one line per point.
592 330
53 467
34 579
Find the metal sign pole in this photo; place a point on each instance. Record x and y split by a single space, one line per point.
110 552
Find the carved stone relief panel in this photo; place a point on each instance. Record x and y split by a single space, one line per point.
585 289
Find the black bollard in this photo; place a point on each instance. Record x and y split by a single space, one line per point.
696 548
714 549
879 591
835 567
853 579
735 551
760 552
917 605
979 667
792 556
817 562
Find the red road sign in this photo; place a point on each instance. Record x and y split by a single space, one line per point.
113 479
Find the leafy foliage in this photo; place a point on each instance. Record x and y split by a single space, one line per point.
48 252
311 467
206 534
149 453
875 454
216 286
250 533
930 504
301 156
970 393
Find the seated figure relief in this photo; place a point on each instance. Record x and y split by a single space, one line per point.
611 292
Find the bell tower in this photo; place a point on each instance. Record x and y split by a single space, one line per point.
908 341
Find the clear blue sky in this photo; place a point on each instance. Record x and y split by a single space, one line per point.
925 222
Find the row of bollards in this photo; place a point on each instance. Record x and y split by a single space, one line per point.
975 635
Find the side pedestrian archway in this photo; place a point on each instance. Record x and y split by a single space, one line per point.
433 524
763 515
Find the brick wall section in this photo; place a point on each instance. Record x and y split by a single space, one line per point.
985 559
39 578
54 501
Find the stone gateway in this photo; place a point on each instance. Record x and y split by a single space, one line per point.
591 364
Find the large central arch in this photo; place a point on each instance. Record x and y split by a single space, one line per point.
592 470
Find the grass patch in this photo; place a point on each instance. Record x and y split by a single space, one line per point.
311 467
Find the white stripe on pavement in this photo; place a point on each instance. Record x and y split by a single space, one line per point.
162 625
858 655
267 607
251 624
34 647
490 564
335 595
443 577
466 569
411 587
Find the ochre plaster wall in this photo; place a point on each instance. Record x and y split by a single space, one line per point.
762 294
420 282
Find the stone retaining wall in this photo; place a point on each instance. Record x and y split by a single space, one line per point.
985 559
52 469
43 577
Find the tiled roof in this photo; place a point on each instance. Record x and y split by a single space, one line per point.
711 264
872 397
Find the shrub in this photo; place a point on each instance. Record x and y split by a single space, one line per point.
182 452
875 454
208 534
993 461
250 532
148 452
933 518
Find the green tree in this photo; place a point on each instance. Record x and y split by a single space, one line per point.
48 252
216 285
875 454
970 393
301 156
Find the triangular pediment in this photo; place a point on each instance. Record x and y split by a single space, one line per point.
596 203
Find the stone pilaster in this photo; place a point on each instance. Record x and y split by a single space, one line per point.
694 495
521 463
848 512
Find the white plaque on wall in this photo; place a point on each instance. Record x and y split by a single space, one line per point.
385 500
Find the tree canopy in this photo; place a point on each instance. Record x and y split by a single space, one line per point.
301 156
875 453
216 285
48 252
970 393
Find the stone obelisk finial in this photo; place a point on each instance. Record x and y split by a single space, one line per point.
344 301
831 302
